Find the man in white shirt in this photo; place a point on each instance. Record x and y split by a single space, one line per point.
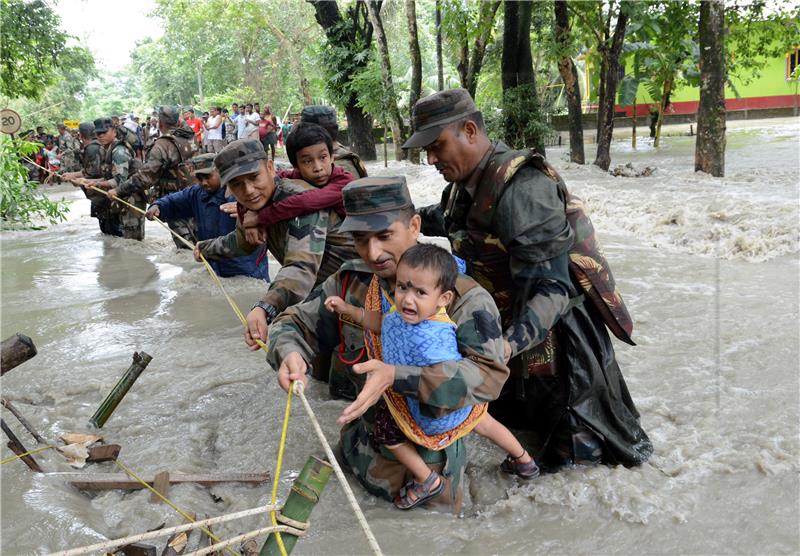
214 130
252 118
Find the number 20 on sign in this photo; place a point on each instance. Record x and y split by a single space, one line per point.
10 122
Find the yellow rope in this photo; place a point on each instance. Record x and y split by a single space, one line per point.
29 452
164 499
261 344
272 514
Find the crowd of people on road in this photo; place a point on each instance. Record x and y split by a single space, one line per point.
508 330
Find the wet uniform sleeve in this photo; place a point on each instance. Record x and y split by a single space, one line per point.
229 246
305 247
307 328
531 222
148 174
478 377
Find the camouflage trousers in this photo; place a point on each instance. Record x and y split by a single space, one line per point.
186 228
132 221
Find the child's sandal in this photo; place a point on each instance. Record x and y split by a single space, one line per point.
526 471
422 492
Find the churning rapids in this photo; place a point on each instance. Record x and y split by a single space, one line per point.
708 267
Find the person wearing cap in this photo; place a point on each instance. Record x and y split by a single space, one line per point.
115 169
68 148
167 168
325 116
201 202
382 220
310 247
510 216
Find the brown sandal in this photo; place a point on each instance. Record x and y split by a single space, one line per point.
422 492
512 466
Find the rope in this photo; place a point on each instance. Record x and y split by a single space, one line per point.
186 516
251 535
277 474
299 388
29 452
106 545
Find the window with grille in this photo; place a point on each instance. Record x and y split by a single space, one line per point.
792 61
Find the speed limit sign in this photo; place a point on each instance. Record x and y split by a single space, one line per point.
10 122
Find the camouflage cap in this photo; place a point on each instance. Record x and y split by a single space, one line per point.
320 115
240 157
86 129
433 113
169 114
373 204
204 164
101 125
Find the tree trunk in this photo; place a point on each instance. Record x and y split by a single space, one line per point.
395 119
606 124
664 100
709 153
415 89
353 38
199 70
486 16
572 90
439 64
359 126
520 102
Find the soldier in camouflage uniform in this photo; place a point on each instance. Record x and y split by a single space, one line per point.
325 116
167 168
531 244
117 157
68 149
380 215
310 248
91 160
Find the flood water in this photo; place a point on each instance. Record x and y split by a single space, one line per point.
709 270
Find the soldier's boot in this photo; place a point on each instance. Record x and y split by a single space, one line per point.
573 443
186 228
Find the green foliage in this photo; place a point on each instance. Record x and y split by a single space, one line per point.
31 47
347 54
520 124
21 202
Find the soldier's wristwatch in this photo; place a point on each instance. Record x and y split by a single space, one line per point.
271 311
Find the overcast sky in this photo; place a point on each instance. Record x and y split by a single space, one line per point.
109 28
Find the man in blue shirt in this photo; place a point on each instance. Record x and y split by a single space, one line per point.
202 201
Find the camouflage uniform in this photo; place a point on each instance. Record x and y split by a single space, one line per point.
69 147
530 243
91 159
310 248
325 116
117 160
309 328
167 168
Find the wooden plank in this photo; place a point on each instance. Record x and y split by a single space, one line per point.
17 447
110 481
161 484
106 452
14 351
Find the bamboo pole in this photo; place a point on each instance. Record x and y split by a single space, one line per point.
140 362
304 495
